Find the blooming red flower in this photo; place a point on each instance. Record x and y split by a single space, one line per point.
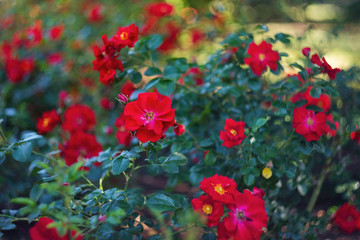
160 9
95 13
261 56
209 208
197 36
347 218
16 69
106 104
47 122
179 129
127 89
40 231
324 66
220 188
323 101
123 136
79 118
234 133
246 219
81 146
170 40
309 124
328 130
56 32
126 36
54 58
150 116
355 135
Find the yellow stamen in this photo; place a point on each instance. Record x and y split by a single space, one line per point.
207 209
261 57
233 132
124 36
309 121
219 189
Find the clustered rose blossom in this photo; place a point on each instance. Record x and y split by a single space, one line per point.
347 218
106 57
310 124
234 133
324 66
195 74
150 116
41 231
246 218
261 57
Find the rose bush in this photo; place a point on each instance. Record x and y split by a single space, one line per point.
240 145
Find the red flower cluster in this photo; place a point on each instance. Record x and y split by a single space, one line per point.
309 124
247 216
41 231
324 66
127 89
47 121
150 116
123 135
195 74
30 37
323 101
234 133
261 57
56 32
106 61
78 119
347 218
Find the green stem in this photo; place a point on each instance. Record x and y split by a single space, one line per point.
317 189
127 177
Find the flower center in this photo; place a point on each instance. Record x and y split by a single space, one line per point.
124 36
240 215
46 122
261 57
207 209
320 104
349 219
149 116
233 132
309 122
219 189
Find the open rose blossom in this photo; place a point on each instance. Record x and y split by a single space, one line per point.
233 134
324 66
126 36
79 118
309 124
160 9
41 231
81 146
323 101
347 218
220 188
209 208
246 219
261 57
47 122
150 116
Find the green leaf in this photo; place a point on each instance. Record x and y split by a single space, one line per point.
154 41
152 71
135 77
23 201
249 179
160 202
319 147
260 122
254 84
177 158
165 87
210 158
23 152
262 27
119 165
315 92
170 167
282 37
206 143
151 84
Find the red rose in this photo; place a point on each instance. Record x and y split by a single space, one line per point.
347 218
123 136
306 51
81 146
150 116
56 32
323 101
233 134
324 66
355 136
328 130
179 129
106 104
170 41
220 188
47 122
79 118
127 89
209 208
258 192
309 124
54 58
246 218
261 57
96 13
16 69
161 9
40 231
126 36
